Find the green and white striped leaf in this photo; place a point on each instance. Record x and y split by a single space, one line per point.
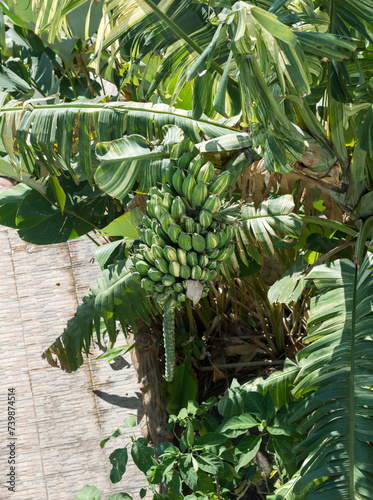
272 218
335 376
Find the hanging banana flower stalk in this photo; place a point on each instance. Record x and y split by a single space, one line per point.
186 233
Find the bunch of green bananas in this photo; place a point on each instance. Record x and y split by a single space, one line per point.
186 233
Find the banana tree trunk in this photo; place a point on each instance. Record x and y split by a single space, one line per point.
145 362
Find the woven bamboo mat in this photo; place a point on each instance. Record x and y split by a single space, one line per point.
60 418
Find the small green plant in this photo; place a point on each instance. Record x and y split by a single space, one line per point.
215 445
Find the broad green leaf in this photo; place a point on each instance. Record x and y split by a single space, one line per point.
254 403
188 474
246 450
210 463
279 425
230 142
209 440
237 425
289 287
233 401
88 493
122 162
220 99
272 217
278 384
42 223
114 434
203 62
125 225
142 455
173 481
9 203
365 132
118 458
190 434
9 170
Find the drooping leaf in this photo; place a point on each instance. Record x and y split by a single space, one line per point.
272 217
125 225
116 296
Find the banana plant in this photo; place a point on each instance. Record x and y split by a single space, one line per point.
288 82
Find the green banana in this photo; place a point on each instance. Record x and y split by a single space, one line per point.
177 180
220 184
213 203
195 273
185 241
212 241
173 232
181 255
199 195
206 173
198 243
188 187
205 218
174 268
185 272
203 260
168 280
142 267
147 283
189 225
192 259
166 220
162 265
158 240
178 287
225 253
169 253
178 208
154 274
195 165
157 251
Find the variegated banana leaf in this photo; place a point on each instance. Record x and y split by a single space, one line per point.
273 219
335 385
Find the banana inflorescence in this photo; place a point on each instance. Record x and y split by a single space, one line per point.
186 233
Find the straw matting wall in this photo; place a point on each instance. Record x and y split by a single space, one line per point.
60 418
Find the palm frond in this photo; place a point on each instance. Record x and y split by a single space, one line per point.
116 298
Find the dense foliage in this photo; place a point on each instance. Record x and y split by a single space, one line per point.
279 94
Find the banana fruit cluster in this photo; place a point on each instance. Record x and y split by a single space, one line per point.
183 237
186 234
